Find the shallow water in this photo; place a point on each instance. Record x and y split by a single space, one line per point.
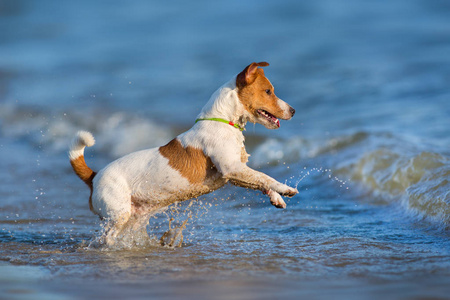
368 148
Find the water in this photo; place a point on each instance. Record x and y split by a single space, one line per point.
368 148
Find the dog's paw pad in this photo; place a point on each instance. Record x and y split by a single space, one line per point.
276 200
279 205
290 192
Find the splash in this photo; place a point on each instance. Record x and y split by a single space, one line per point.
133 236
174 236
320 171
164 227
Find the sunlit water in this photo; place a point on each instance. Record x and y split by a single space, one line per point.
368 148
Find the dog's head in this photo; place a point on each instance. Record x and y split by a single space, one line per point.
256 93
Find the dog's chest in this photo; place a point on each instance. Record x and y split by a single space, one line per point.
244 155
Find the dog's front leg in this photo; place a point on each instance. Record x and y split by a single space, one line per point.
250 178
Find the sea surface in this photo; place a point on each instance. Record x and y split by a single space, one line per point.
368 149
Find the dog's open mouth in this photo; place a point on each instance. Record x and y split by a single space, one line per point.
269 117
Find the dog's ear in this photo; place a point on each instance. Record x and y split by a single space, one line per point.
248 75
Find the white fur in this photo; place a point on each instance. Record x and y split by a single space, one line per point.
82 139
144 174
224 103
285 107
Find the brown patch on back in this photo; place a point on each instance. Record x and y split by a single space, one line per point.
191 162
252 87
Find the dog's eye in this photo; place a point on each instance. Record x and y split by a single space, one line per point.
268 92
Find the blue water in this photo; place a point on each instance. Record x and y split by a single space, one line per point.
368 147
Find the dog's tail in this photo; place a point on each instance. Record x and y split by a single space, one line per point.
76 154
82 140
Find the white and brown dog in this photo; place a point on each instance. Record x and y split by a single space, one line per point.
196 162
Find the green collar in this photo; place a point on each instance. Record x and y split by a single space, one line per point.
223 121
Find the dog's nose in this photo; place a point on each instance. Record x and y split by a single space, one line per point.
292 111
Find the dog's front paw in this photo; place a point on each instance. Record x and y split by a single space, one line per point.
275 199
290 192
285 190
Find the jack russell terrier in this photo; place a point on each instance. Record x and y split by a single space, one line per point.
196 162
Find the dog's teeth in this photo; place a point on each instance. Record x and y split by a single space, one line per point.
269 116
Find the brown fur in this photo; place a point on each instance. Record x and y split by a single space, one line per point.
252 85
85 173
192 163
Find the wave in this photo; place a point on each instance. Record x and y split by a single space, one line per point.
53 131
274 151
419 181
387 165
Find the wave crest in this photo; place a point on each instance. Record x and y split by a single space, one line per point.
389 167
53 131
420 181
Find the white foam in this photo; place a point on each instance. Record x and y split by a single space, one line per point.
134 133
54 131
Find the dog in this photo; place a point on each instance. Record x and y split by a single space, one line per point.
197 162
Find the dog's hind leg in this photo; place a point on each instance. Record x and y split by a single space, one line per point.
111 200
114 227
